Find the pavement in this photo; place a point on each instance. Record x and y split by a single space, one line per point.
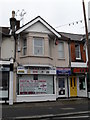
38 110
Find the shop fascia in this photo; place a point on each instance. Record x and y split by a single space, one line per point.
79 70
37 70
63 71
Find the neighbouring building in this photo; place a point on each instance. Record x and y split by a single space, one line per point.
78 62
7 44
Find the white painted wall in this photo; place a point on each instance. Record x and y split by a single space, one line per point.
78 64
7 48
35 98
38 27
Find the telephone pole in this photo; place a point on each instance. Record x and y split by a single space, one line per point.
87 43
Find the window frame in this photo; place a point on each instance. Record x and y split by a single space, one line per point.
61 51
78 58
41 38
24 47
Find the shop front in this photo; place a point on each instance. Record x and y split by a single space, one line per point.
35 84
78 82
62 81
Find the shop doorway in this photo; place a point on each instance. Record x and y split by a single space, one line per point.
73 87
61 87
4 85
82 86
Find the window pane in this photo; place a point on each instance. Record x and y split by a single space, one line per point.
38 42
61 46
25 42
38 50
24 51
77 51
38 46
61 83
61 54
24 46
61 50
71 81
74 82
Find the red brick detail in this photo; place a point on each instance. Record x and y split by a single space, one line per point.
73 52
83 53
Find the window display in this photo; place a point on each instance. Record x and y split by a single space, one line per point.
35 84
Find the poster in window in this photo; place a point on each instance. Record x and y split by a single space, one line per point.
32 87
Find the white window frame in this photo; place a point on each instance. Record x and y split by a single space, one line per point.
24 47
61 51
78 58
38 46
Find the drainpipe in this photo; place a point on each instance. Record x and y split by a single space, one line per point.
69 53
69 66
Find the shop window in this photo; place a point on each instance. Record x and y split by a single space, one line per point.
61 50
82 83
35 84
38 46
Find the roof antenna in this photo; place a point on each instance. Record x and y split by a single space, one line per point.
21 14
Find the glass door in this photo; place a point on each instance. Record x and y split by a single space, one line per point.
61 87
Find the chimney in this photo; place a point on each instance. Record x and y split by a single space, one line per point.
13 22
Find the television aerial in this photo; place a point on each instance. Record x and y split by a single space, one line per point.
21 15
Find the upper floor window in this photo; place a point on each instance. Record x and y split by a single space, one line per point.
77 51
24 46
61 50
38 46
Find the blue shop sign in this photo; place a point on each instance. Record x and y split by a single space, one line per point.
63 71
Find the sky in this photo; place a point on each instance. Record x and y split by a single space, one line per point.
63 15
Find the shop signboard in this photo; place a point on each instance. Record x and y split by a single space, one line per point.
32 86
4 69
63 71
21 70
79 70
